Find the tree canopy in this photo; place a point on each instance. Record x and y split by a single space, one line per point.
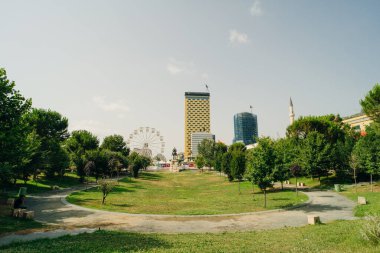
13 130
371 103
206 149
260 164
115 143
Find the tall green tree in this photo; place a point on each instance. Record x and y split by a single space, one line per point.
51 130
115 143
79 142
206 149
200 162
226 165
296 171
100 160
371 103
330 126
315 155
285 151
220 149
237 165
30 160
335 137
136 163
260 165
13 130
367 152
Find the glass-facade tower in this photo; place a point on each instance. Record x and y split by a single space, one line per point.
245 127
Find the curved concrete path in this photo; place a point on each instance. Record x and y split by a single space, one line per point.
53 209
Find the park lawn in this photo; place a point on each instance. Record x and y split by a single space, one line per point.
185 193
43 184
373 198
340 236
10 224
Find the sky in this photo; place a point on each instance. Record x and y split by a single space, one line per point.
113 66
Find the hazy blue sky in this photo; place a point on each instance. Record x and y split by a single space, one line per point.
113 66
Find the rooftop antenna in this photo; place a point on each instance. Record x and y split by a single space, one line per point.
207 88
250 107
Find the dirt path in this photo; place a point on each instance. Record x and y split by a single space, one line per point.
53 209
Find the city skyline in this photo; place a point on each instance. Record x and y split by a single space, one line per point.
125 64
245 128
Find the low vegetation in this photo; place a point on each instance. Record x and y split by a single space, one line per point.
373 198
44 184
342 236
185 193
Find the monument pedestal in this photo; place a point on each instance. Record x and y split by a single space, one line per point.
174 167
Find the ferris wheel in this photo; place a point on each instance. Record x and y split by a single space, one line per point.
146 141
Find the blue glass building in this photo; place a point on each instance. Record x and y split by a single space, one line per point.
245 127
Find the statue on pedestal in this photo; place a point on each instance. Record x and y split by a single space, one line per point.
175 161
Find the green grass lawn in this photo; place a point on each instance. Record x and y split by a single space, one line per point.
342 236
373 199
184 193
44 184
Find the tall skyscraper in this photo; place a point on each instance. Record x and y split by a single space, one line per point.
245 126
291 112
197 116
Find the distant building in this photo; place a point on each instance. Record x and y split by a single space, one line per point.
245 128
196 139
197 117
291 112
358 121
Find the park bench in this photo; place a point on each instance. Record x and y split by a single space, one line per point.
8 207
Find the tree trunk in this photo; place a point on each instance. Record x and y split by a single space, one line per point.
104 199
265 198
356 187
371 184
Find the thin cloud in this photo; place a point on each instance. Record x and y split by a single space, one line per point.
256 10
114 106
238 38
176 67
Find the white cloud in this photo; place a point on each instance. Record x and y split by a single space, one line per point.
237 37
179 67
114 106
256 9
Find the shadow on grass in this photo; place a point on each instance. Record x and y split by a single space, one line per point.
121 205
99 241
11 224
280 199
150 176
320 208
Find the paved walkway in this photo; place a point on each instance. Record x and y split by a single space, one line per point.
52 209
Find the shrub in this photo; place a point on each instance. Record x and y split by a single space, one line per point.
371 229
106 187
